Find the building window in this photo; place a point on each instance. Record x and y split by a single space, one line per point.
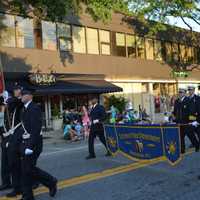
92 41
7 32
168 52
183 53
49 35
131 47
149 49
64 37
195 53
118 44
158 50
175 52
78 35
104 38
190 54
140 47
24 32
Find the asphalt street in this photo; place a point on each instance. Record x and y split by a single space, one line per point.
116 178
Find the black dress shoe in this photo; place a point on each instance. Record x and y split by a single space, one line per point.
5 187
108 154
53 189
90 157
13 193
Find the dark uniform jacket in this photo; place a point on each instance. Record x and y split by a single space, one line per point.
32 121
182 111
194 106
15 106
97 113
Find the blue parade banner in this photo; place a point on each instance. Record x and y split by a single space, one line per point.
111 138
171 144
144 141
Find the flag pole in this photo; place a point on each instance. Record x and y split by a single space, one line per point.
3 87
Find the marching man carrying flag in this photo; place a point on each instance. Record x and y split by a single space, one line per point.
4 127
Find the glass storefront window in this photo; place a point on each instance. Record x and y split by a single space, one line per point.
131 47
78 35
158 50
149 49
104 38
92 41
64 37
49 35
140 47
24 32
7 30
118 44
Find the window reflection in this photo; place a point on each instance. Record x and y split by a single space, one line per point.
49 35
24 32
131 47
64 37
7 30
140 47
104 38
78 34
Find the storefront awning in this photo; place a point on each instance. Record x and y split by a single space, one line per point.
69 87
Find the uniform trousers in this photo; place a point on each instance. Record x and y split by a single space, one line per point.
190 132
94 132
30 174
5 171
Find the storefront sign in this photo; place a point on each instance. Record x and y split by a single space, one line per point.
180 74
42 79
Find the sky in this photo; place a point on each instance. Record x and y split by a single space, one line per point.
178 22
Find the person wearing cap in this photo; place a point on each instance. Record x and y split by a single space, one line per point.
194 116
15 107
31 148
4 126
181 116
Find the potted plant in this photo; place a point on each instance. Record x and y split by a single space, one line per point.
56 118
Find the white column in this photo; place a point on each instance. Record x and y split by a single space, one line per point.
49 110
152 106
61 104
46 111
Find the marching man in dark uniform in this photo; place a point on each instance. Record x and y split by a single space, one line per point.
181 113
4 127
194 117
15 108
31 148
97 115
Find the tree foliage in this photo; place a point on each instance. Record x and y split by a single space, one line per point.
162 10
56 10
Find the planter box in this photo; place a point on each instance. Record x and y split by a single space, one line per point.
57 124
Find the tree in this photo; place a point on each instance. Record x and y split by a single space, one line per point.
162 10
57 10
156 14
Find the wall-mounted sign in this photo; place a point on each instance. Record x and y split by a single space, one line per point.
180 74
42 79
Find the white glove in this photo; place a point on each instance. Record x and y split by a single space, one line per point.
195 123
28 151
7 144
95 121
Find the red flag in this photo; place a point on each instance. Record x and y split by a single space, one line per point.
2 86
1 83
